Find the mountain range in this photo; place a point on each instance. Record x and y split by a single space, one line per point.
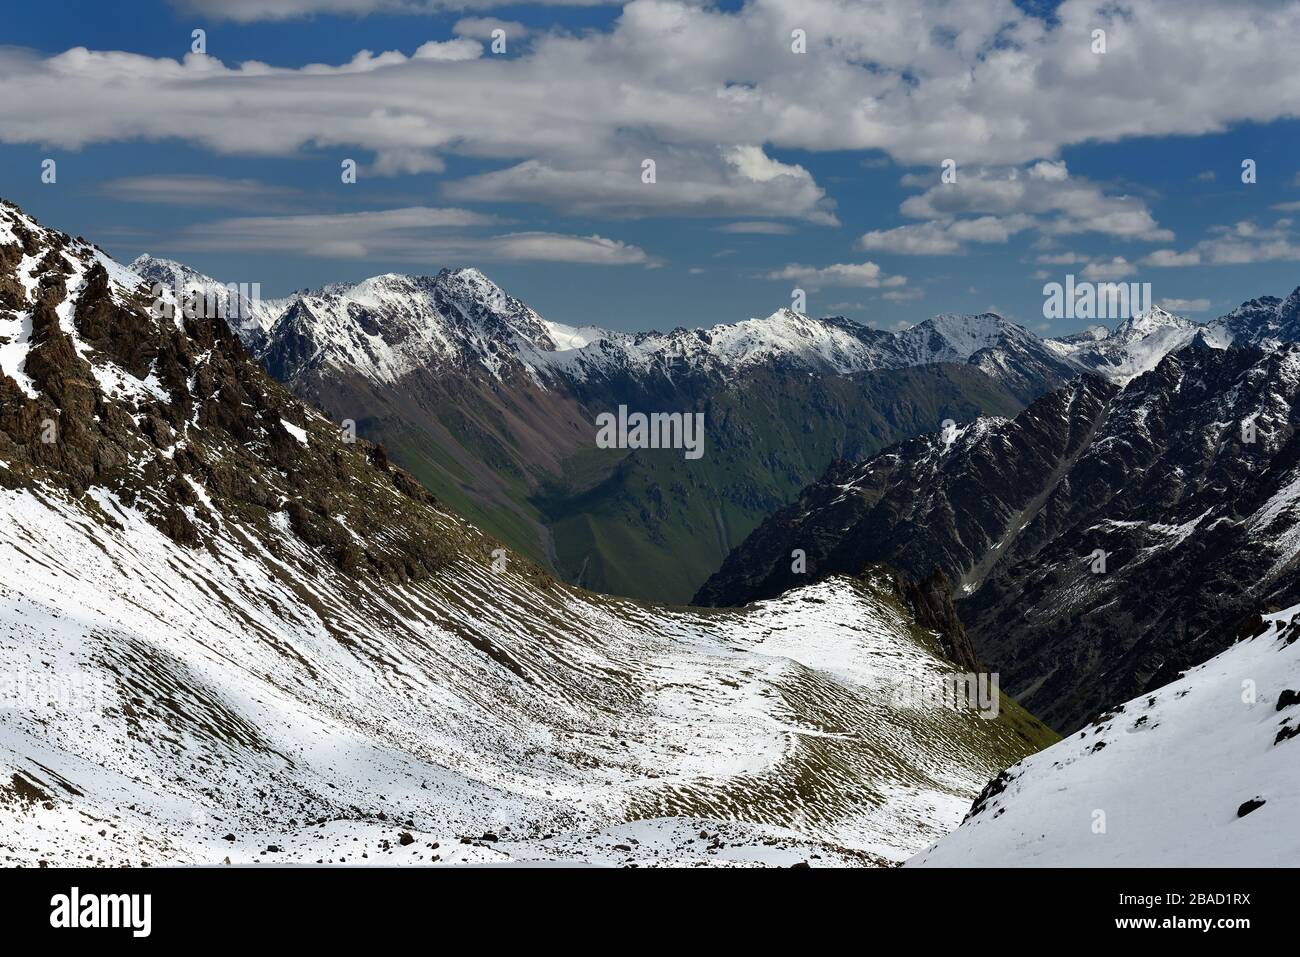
493 408
232 632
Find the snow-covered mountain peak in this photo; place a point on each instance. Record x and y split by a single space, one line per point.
1137 344
953 337
1152 321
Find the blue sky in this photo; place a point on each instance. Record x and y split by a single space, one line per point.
775 170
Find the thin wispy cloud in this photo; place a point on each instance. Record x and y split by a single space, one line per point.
191 190
415 234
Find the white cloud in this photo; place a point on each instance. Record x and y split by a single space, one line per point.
1051 172
1184 305
866 275
756 227
986 83
1168 257
412 234
713 95
192 190
915 239
449 50
553 247
941 237
1116 268
1063 206
404 161
688 183
481 28
1239 243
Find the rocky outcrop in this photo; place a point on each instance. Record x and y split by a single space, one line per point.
931 603
173 416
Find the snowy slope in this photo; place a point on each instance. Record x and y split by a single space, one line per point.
1172 772
188 695
249 316
1186 480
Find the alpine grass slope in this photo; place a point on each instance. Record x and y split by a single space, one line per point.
227 633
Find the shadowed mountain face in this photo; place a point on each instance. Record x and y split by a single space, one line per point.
230 633
1099 542
494 409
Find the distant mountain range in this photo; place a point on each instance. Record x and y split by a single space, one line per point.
493 408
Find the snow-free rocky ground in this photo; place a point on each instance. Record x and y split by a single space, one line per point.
227 633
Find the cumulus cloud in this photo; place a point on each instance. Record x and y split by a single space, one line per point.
1168 257
987 83
1063 205
942 237
1237 244
1109 270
